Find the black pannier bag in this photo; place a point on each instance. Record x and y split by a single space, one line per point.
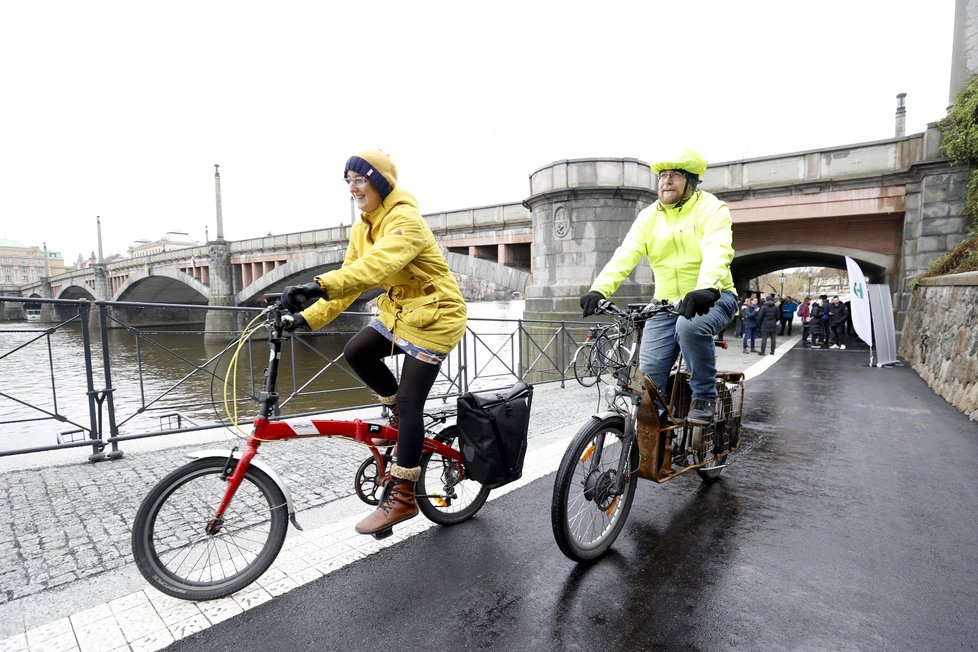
492 433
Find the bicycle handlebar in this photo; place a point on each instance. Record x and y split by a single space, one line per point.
636 311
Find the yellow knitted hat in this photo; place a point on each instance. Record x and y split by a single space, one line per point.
377 167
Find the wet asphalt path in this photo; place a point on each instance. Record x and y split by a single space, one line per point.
846 522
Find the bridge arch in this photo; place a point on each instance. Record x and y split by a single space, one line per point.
163 286
753 263
75 292
292 271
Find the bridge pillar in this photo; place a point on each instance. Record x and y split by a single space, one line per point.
102 291
220 324
581 210
48 313
934 223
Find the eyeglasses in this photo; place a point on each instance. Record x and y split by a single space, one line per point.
670 175
356 181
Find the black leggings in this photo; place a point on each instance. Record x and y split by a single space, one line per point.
365 353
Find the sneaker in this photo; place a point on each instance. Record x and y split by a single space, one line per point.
834 346
701 411
842 346
746 351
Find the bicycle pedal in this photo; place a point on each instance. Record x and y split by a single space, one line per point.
383 534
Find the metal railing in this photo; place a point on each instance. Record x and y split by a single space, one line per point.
162 380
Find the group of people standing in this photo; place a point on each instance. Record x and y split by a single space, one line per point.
823 321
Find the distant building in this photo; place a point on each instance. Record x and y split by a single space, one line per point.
171 241
82 263
22 264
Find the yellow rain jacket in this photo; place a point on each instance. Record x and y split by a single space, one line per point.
688 248
393 247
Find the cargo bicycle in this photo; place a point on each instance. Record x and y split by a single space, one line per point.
216 524
643 433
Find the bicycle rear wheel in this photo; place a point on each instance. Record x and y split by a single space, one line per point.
586 514
175 553
609 356
716 446
443 496
586 365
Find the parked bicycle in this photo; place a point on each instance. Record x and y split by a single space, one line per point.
214 525
601 355
641 434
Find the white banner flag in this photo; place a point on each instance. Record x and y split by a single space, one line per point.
862 321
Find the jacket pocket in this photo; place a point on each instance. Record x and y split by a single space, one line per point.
420 312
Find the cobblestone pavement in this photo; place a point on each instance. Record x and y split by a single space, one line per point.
73 521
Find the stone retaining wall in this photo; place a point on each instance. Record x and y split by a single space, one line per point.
940 338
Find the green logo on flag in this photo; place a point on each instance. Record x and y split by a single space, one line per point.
857 289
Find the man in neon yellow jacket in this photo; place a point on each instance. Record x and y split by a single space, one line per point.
686 236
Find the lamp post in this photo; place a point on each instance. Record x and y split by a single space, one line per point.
782 285
809 284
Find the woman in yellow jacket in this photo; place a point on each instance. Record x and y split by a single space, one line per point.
422 313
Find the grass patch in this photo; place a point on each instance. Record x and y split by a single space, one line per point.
964 258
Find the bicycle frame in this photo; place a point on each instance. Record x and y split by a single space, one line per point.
373 435
646 404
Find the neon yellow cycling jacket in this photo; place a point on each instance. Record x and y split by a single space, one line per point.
688 248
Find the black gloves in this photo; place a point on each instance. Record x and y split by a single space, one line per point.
698 302
292 322
589 302
295 297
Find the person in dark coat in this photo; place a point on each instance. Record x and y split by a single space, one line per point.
749 311
837 323
788 308
767 323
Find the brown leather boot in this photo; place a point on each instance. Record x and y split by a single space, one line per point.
400 504
390 402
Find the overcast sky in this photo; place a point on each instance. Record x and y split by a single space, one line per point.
121 109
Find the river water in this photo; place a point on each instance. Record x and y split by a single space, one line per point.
165 379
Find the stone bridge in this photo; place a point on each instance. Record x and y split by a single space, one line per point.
892 205
261 265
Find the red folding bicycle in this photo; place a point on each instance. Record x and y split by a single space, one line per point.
214 525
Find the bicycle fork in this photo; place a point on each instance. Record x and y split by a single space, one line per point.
235 469
233 474
599 487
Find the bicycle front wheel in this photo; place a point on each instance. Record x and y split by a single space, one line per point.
443 496
586 511
174 550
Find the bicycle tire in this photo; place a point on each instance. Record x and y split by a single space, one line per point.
612 356
585 518
452 499
169 541
722 426
584 367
